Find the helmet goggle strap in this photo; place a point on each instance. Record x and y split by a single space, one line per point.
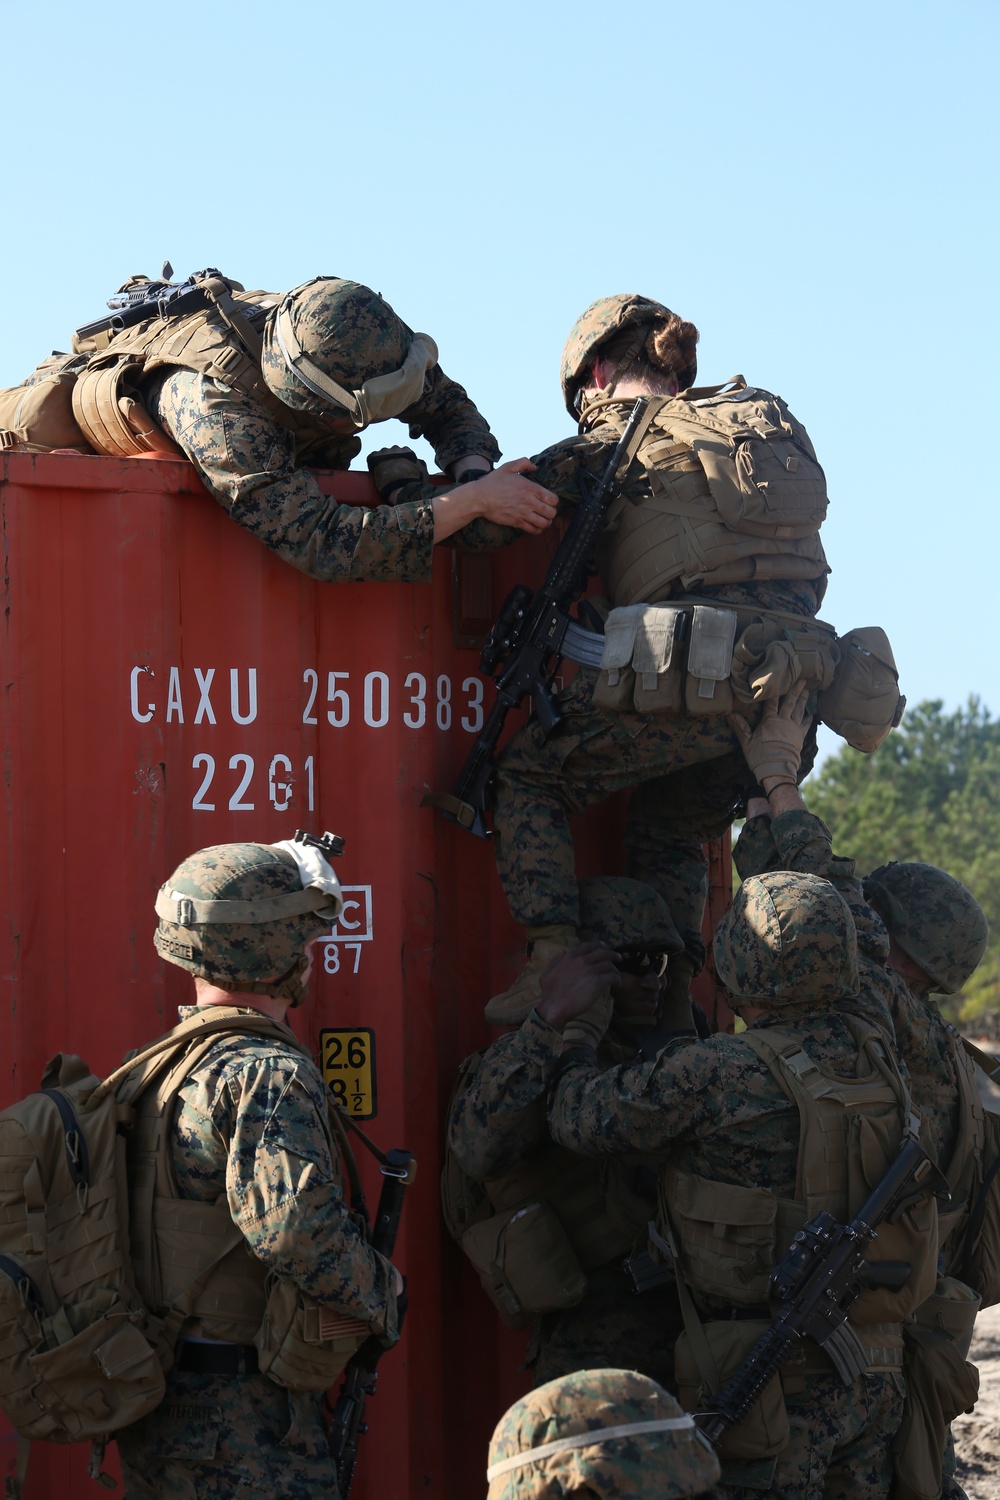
379 398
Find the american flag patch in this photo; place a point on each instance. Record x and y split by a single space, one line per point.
335 1325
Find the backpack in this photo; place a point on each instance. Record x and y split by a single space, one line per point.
81 1354
733 492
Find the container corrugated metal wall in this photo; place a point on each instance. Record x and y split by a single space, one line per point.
167 684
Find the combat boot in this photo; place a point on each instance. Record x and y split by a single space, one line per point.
546 943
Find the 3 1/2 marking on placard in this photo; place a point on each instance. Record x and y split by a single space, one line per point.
347 1059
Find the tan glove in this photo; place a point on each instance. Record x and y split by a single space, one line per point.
773 749
587 1029
391 467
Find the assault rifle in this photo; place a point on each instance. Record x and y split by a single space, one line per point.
821 1275
525 646
153 299
347 1422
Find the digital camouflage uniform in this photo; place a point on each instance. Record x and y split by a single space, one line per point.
595 752
251 453
499 1122
249 1129
674 1462
927 1045
254 469
717 1107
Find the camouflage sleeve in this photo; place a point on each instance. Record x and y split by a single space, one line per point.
249 464
803 842
283 1190
501 1115
640 1106
559 468
755 852
450 422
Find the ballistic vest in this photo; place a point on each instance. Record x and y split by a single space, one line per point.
850 1131
189 1255
222 342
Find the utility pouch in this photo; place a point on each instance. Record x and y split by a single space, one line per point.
939 1385
302 1345
728 1234
657 659
764 1431
526 1263
641 664
38 415
68 1387
952 1309
707 688
863 703
770 657
615 686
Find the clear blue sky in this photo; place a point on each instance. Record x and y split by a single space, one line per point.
814 185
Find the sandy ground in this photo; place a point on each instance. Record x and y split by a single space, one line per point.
977 1437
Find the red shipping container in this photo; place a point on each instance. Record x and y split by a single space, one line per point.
169 684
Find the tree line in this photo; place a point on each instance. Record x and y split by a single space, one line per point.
931 793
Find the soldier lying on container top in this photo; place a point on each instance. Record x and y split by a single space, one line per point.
250 1146
280 382
552 1229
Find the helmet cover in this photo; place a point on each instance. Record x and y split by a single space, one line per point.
536 1452
277 900
626 913
934 919
345 329
787 939
601 321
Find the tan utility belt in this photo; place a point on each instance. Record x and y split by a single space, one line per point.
702 657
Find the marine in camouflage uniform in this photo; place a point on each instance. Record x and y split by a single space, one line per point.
250 1130
788 949
250 406
937 934
687 770
498 1125
613 1434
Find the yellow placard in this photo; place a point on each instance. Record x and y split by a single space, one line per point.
348 1063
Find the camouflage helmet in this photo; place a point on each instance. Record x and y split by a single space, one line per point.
626 914
601 321
240 915
933 918
787 939
601 1432
337 348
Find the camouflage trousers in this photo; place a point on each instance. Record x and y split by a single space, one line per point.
839 1450
250 464
215 1437
613 1328
688 773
